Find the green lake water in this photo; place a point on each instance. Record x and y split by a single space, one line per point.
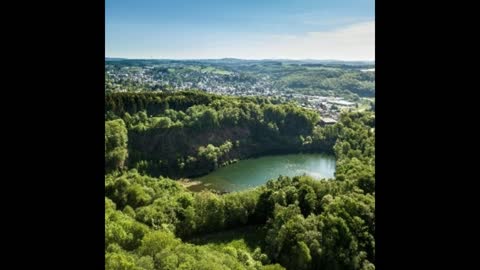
253 172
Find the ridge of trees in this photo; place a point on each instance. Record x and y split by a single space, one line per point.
169 133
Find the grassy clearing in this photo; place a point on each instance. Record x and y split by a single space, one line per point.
247 238
212 70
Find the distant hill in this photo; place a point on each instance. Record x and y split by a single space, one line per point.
237 60
114 59
326 62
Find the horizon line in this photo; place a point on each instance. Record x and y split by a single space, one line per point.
234 58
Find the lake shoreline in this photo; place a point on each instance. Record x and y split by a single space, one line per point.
187 182
252 172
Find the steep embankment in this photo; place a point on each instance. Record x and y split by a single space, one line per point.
191 133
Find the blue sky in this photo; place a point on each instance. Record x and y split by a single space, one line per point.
249 29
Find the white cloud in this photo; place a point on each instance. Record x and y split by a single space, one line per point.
328 21
353 42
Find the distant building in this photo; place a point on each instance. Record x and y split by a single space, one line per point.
341 103
327 121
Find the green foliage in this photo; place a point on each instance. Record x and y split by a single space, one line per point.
191 133
308 224
115 144
121 229
313 224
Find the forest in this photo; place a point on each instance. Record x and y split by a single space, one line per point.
191 133
153 222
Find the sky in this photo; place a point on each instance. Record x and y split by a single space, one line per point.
246 29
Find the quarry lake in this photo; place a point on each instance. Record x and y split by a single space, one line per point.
253 172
